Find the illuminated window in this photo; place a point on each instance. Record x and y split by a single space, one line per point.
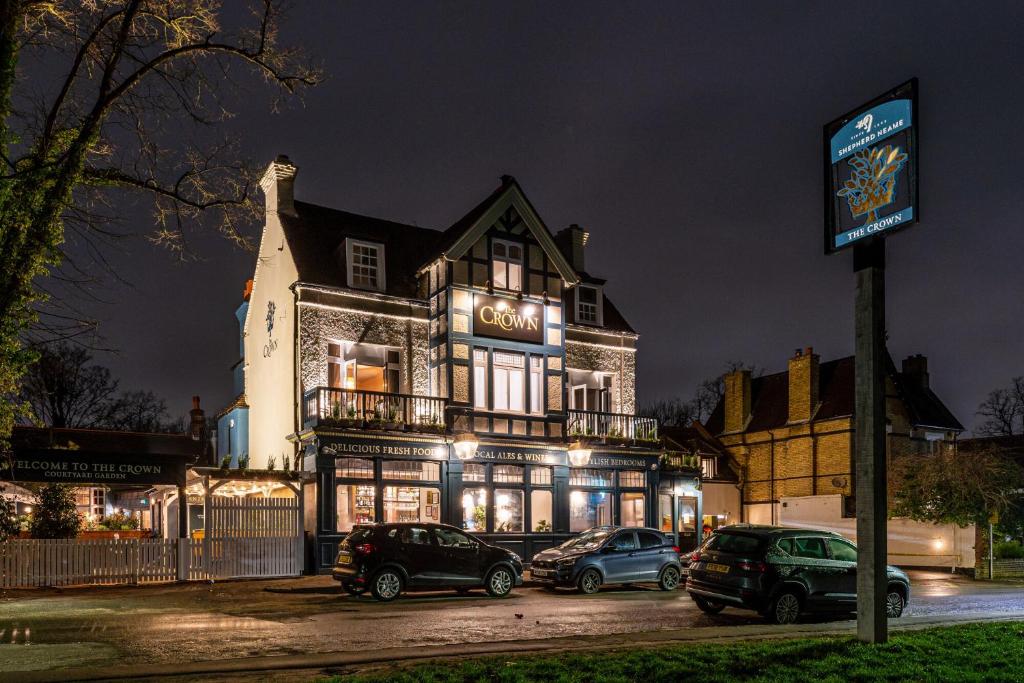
508 511
540 476
474 471
631 509
508 377
354 468
508 266
536 392
588 305
411 470
631 479
474 510
508 474
590 477
480 378
540 510
355 505
412 504
365 265
589 509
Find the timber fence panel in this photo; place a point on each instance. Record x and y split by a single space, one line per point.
31 563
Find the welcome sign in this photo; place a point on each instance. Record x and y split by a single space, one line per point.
508 319
871 169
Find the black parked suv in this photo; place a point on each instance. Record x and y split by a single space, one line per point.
609 554
782 572
389 558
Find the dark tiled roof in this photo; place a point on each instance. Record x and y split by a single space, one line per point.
455 231
697 440
769 403
317 238
613 319
105 441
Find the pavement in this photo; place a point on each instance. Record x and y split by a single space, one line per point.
297 629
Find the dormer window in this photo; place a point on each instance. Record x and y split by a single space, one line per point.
365 265
588 305
508 265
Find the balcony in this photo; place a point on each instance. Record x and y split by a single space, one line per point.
612 427
354 408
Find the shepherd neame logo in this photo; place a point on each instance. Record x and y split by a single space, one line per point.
508 319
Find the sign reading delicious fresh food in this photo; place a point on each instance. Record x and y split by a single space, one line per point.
871 169
508 319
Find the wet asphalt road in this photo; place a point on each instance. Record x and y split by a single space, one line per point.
98 626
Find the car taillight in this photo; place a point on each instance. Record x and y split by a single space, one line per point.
364 548
675 549
752 566
695 557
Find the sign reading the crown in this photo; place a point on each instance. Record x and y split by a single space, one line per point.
508 319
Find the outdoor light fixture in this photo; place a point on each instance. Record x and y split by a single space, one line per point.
938 543
466 445
579 454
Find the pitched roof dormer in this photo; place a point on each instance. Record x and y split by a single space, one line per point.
459 239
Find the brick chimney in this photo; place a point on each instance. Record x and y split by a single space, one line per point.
573 240
278 185
197 420
915 369
737 400
803 385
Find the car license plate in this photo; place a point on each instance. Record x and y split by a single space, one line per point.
344 558
720 568
541 572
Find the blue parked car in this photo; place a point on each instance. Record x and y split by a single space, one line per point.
609 555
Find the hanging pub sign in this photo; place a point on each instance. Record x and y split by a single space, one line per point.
871 169
508 319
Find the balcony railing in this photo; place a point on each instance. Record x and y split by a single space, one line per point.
611 426
375 409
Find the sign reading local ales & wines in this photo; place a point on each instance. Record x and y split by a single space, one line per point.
871 169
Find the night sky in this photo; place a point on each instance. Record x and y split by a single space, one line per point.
686 138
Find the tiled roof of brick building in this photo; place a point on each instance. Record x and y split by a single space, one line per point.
769 401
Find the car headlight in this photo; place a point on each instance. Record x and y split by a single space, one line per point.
515 557
566 563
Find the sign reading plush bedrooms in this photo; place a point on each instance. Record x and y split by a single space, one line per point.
508 319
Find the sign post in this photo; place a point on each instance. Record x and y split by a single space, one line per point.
871 190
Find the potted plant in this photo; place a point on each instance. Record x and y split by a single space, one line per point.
376 420
225 462
391 420
350 417
336 410
243 462
615 436
542 526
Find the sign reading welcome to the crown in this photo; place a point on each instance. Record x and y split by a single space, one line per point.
508 319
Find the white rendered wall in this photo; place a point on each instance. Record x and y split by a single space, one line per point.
913 544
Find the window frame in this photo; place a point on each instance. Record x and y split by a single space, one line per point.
508 262
598 305
526 487
350 243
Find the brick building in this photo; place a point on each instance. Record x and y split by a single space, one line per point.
790 434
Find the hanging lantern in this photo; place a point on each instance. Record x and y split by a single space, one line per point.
579 454
466 445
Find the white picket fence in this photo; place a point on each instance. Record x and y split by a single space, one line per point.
27 563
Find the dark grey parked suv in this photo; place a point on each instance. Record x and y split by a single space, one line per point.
609 555
782 572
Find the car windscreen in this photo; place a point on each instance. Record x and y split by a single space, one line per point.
588 539
735 544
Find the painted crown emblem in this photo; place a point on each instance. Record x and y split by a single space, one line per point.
872 183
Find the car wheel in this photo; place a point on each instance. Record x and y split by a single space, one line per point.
386 585
707 606
353 589
669 579
589 582
894 604
785 609
500 582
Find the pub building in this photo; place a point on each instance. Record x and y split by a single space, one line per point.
477 376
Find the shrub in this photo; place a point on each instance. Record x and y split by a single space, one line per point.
55 515
1008 550
9 525
119 522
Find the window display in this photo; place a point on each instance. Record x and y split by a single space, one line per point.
474 510
632 509
508 511
540 510
355 505
589 509
412 504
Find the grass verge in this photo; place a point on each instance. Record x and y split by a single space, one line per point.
971 652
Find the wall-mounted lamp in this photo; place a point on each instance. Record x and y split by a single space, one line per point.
466 444
579 454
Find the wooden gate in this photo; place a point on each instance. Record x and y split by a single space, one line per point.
249 538
32 562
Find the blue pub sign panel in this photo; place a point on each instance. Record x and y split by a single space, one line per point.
871 169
